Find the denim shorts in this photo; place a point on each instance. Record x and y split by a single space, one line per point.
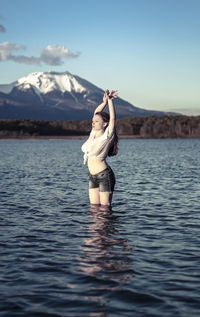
104 180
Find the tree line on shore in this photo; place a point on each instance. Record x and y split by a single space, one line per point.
137 127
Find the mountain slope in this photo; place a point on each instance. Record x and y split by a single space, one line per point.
57 96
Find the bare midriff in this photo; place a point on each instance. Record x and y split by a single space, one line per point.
96 166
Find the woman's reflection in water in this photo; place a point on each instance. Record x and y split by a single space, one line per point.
107 256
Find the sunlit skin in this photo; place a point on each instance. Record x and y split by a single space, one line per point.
98 125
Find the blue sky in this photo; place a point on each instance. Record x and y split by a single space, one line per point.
147 49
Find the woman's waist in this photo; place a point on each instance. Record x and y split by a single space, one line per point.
96 165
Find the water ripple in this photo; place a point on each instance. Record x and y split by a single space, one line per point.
59 258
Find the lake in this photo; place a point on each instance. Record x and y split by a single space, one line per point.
59 258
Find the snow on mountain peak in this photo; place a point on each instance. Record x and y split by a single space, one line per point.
46 82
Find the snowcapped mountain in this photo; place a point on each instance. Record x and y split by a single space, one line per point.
46 82
57 96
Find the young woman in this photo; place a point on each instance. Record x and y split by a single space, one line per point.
101 143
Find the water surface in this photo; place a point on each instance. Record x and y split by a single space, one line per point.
59 258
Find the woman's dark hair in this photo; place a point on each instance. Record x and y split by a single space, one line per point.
106 118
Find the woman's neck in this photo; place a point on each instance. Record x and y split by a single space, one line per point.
99 133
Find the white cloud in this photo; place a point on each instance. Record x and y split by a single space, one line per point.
54 54
6 49
51 55
25 59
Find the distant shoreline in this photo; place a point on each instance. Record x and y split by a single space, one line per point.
60 137
167 127
84 137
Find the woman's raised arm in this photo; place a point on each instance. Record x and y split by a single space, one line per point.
111 108
108 98
103 104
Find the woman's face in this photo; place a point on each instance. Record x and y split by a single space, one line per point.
98 123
